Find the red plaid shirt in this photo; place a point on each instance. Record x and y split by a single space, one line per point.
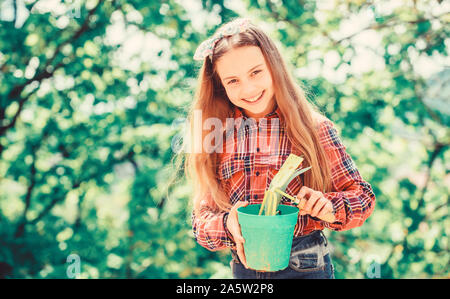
245 171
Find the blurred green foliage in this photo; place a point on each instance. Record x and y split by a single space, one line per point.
89 91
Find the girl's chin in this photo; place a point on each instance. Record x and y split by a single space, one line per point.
256 113
259 111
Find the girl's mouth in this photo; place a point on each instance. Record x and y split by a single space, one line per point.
253 101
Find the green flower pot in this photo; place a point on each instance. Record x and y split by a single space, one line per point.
268 239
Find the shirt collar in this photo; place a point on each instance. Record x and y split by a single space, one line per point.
239 112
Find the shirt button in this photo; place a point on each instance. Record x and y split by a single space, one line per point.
257 149
255 196
257 173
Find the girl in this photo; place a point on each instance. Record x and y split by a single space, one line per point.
244 79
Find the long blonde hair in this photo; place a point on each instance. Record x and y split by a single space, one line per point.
300 116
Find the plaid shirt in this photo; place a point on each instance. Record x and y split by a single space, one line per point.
245 171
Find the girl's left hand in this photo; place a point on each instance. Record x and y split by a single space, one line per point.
313 202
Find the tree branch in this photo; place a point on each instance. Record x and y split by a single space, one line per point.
389 23
84 27
15 11
15 93
50 206
21 227
78 218
438 147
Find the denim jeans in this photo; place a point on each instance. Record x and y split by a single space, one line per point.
310 258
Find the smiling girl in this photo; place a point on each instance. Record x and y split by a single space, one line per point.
244 78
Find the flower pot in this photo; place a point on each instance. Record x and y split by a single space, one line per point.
268 239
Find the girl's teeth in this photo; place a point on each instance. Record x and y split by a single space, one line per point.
254 99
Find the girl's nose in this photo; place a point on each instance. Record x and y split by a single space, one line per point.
249 91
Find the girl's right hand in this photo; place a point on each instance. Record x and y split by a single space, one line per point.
235 229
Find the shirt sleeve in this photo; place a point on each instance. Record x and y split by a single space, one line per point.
352 198
209 227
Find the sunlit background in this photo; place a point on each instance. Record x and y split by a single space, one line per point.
94 93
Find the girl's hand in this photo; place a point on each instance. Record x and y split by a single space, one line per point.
313 202
235 229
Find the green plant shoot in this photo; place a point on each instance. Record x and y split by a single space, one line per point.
279 183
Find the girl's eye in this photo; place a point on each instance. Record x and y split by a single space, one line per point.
254 73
